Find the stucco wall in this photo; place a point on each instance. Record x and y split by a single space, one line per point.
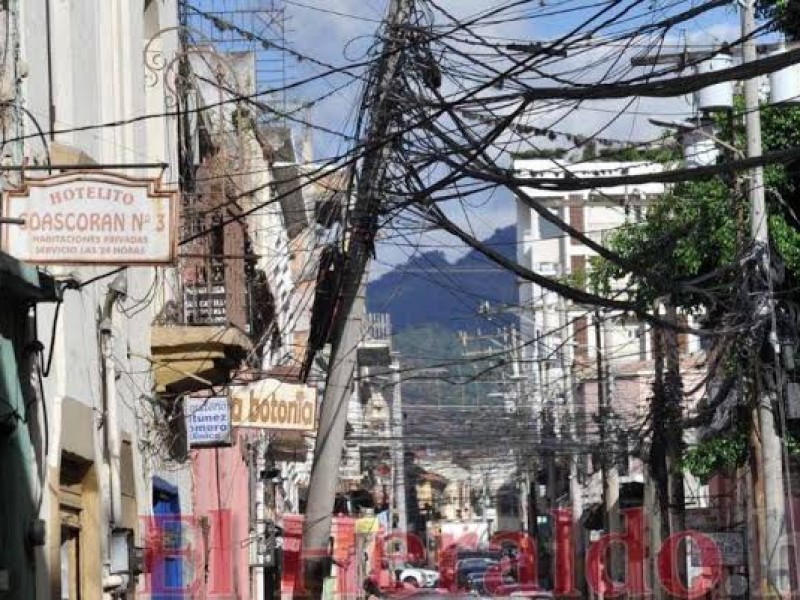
98 76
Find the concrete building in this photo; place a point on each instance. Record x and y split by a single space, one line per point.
23 428
85 69
560 337
255 275
373 466
110 498
74 68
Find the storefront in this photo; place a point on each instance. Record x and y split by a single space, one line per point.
23 433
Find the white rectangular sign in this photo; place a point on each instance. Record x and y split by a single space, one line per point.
274 404
208 421
91 218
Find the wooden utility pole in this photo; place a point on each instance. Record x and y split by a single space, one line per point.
776 560
672 397
363 229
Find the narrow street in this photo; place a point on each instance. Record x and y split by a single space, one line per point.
399 299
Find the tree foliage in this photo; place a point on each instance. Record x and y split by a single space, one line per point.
698 227
698 232
717 454
784 13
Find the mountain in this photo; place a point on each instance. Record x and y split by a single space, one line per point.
429 289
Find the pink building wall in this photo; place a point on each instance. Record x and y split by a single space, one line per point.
221 499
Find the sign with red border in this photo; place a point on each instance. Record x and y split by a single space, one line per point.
91 218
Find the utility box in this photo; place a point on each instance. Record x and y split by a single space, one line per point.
785 84
792 400
718 96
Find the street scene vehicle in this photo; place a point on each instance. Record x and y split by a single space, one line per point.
419 577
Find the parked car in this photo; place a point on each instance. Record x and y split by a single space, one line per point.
470 567
455 562
419 577
476 582
533 595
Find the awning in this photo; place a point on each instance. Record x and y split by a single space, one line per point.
288 446
23 282
189 358
62 154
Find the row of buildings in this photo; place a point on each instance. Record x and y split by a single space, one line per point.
589 375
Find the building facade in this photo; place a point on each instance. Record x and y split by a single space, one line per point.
565 344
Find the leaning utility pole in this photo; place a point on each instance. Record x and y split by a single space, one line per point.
363 227
398 451
776 561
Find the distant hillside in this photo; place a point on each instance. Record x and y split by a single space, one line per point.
430 290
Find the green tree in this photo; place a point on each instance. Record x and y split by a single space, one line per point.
698 233
698 227
784 13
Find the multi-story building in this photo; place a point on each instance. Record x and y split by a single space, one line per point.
93 440
373 466
75 83
559 338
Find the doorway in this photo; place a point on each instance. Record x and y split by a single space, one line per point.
167 574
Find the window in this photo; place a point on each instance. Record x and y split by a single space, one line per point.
576 217
547 230
581 336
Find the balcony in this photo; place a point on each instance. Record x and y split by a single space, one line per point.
377 327
375 349
187 358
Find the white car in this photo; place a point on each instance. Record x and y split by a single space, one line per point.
419 577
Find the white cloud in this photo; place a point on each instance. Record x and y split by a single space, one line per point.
338 40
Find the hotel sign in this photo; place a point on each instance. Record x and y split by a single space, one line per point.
273 404
91 218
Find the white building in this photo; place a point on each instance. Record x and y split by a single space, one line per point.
562 360
80 79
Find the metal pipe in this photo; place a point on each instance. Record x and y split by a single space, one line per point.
90 167
111 424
